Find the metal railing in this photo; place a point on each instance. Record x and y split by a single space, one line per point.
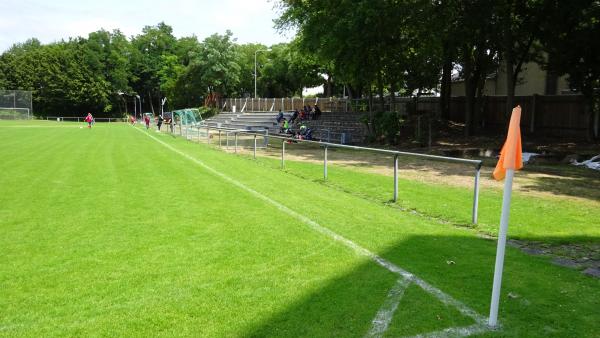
81 119
326 145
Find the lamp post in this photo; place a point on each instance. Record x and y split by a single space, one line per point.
140 100
255 53
162 104
120 93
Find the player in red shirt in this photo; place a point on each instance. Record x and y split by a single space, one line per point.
89 119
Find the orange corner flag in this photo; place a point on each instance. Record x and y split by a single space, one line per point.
511 153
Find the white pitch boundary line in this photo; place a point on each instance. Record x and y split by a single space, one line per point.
439 294
456 331
384 316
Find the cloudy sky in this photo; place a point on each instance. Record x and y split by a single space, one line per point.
249 20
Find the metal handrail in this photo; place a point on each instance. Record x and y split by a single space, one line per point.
326 145
477 163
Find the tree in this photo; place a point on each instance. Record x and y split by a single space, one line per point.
146 55
519 21
570 37
245 60
215 66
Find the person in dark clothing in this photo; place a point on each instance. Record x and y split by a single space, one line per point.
294 116
280 117
317 113
159 122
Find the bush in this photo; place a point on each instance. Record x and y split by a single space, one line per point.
207 112
385 127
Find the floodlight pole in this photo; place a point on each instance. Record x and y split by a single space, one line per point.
162 104
140 100
255 53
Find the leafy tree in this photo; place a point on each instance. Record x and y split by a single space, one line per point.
146 56
570 34
519 21
245 59
215 67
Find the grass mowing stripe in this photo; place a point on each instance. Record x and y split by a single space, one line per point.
130 271
443 297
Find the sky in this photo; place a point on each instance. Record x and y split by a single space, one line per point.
49 21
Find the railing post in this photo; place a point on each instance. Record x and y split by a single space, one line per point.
266 138
255 146
325 163
207 135
235 147
219 137
227 140
395 178
282 154
476 194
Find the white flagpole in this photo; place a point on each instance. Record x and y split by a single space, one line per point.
493 320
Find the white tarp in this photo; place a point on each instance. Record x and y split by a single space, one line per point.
592 163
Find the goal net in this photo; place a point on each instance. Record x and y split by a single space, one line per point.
15 105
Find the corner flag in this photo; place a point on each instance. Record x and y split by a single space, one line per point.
510 160
511 154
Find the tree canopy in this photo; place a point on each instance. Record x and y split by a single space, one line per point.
105 71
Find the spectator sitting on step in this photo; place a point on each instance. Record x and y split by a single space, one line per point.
286 126
305 133
294 116
302 115
317 112
279 117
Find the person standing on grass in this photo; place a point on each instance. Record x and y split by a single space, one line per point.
159 122
147 121
89 119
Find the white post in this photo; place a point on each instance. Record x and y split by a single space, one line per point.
325 163
235 149
395 178
493 320
255 146
282 154
476 195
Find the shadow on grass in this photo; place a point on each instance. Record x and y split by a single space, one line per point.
575 186
538 299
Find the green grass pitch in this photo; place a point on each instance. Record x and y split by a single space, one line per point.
115 231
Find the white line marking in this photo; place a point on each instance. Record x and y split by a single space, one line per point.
439 294
384 316
455 331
